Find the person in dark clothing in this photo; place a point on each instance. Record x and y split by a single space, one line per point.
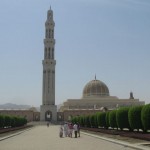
75 127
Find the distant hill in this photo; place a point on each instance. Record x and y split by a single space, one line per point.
14 106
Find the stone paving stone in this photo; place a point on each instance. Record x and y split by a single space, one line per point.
47 138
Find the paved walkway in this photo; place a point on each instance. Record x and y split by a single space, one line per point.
47 138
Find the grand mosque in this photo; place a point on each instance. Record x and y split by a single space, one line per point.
95 96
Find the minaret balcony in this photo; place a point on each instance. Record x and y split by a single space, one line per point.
49 23
49 41
49 62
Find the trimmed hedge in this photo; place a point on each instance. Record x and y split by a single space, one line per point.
112 119
107 119
95 119
11 121
101 119
145 117
74 120
81 121
134 116
122 118
7 121
87 121
2 121
92 121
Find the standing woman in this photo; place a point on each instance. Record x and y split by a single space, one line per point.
66 129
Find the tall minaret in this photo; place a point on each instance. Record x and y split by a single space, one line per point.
48 107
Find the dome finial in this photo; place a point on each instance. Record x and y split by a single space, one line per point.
50 7
95 76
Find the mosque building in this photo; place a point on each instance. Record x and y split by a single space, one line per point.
95 97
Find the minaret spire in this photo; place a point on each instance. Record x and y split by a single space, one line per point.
95 76
48 107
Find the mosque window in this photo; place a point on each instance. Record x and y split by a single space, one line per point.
53 53
49 33
49 54
52 33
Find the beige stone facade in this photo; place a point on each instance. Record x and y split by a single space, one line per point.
98 103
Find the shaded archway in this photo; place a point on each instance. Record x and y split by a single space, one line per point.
48 115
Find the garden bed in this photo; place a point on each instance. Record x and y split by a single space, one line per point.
136 135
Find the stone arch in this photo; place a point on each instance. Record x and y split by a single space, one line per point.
48 115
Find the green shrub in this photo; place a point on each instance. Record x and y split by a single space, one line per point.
7 121
23 121
16 121
107 119
81 121
95 120
92 121
122 118
145 117
101 119
112 119
87 121
134 116
2 121
74 119
83 118
13 121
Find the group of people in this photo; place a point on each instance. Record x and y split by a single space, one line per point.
67 129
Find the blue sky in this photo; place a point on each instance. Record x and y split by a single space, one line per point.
109 38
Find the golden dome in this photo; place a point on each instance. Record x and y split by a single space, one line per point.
95 88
